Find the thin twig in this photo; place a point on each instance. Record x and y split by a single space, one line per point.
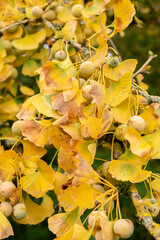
114 46
141 70
150 98
15 24
144 214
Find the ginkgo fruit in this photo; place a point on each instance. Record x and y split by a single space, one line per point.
16 127
123 228
6 188
105 168
60 55
95 217
37 12
59 9
98 235
120 132
86 69
154 209
86 92
113 62
19 211
12 29
7 45
137 123
82 81
50 15
14 73
76 10
88 32
6 208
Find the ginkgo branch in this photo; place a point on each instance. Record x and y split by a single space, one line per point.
141 70
114 46
150 98
15 24
144 215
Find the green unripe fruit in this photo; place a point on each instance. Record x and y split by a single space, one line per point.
16 127
76 10
60 55
50 15
6 188
12 29
37 12
7 45
14 73
113 62
6 208
88 32
19 211
137 123
123 228
86 69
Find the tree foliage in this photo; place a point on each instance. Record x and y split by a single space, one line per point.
65 89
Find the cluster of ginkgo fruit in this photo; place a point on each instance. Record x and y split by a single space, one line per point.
8 207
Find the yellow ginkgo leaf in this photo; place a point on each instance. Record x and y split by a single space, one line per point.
69 29
154 138
138 145
30 150
26 90
39 182
65 15
5 72
96 8
9 107
12 14
37 213
17 34
29 68
5 227
155 184
2 51
115 73
63 222
130 170
118 91
30 42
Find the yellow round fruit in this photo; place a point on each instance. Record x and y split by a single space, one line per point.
7 45
82 81
37 12
86 69
123 228
59 9
19 211
60 55
95 217
105 168
137 123
76 10
6 188
50 15
16 127
12 29
120 132
14 73
88 32
86 92
6 208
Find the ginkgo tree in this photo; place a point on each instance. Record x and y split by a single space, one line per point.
82 97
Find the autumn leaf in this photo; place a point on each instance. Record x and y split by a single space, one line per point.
39 182
5 227
96 8
30 42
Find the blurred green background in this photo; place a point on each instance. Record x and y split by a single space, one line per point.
140 37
